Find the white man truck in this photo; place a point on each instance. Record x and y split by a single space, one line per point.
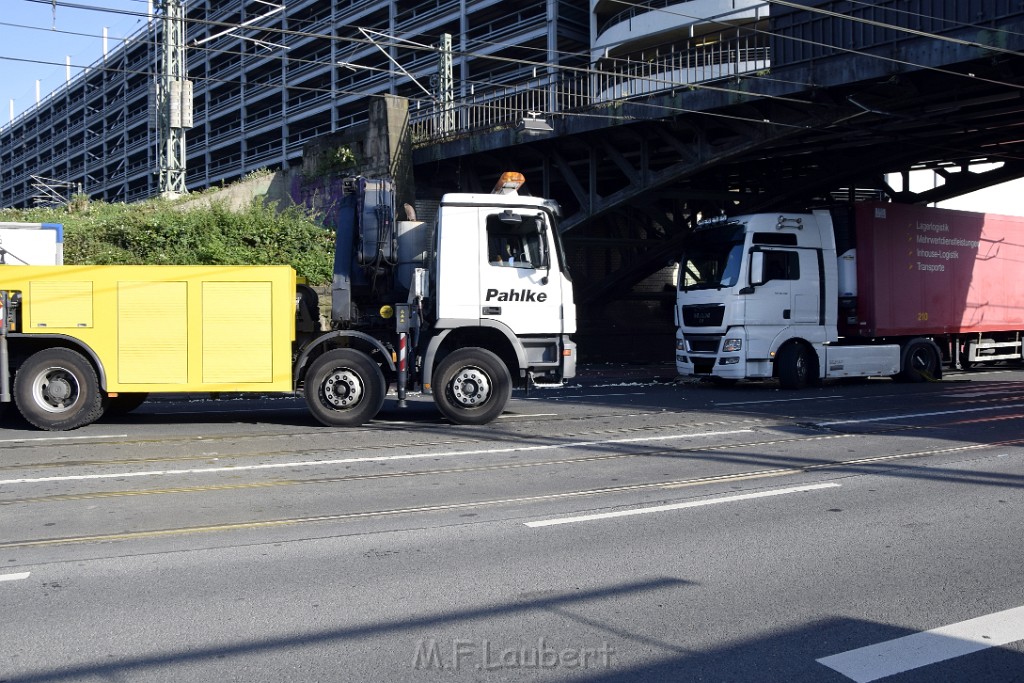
413 306
873 289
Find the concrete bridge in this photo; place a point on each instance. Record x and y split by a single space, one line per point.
821 108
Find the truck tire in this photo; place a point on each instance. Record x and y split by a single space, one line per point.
921 362
473 386
57 389
796 368
344 388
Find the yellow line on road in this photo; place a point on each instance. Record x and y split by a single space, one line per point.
267 524
57 498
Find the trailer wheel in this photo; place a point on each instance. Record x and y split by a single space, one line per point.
921 362
57 389
344 388
473 386
796 369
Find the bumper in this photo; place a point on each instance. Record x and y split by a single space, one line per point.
702 362
569 357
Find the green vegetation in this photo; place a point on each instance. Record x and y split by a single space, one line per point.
166 232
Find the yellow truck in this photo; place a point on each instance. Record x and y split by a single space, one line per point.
412 305
95 337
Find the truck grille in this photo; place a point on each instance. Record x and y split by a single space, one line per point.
703 315
703 344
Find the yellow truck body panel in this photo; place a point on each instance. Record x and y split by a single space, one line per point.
168 328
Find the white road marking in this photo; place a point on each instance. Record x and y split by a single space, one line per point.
777 400
567 398
680 506
928 647
509 417
379 458
15 577
65 438
936 413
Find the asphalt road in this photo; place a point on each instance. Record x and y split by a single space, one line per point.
627 527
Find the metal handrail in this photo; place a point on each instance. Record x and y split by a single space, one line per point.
505 106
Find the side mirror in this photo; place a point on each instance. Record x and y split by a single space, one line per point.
757 268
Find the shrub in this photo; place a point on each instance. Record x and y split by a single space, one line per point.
161 232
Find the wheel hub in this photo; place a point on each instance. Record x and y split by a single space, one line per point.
58 390
342 388
471 386
55 390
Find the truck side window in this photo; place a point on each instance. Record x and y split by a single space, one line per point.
519 245
781 265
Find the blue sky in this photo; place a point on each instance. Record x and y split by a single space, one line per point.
35 42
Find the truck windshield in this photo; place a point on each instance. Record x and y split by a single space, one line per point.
712 259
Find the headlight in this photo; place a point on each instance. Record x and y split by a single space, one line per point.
680 344
732 345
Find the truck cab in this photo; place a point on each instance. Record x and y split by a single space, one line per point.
746 285
759 296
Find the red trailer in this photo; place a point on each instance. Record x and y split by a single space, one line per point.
951 275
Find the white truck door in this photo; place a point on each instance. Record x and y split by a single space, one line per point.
772 303
807 290
459 259
520 284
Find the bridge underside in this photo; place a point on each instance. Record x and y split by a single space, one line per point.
633 178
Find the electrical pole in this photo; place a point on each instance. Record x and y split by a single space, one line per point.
174 101
446 86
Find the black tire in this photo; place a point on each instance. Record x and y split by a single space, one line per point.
796 368
921 362
123 403
472 386
57 389
964 363
344 388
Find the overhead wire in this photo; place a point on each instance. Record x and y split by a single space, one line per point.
864 53
541 63
895 27
399 43
868 54
921 15
477 55
365 42
549 65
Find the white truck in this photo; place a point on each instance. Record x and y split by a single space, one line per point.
876 289
40 244
464 309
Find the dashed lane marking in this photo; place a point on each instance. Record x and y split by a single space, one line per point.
680 506
380 458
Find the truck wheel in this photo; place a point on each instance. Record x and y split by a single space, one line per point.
795 368
921 362
122 404
57 389
473 386
344 388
